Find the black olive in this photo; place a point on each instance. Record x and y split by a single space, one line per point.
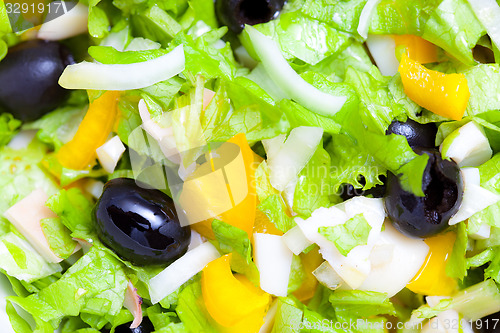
236 13
347 191
145 327
417 135
29 76
139 224
425 216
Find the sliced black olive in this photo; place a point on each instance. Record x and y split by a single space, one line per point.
145 327
417 135
425 216
347 191
139 224
29 76
236 13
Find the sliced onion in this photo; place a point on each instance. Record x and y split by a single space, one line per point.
488 13
180 271
95 76
364 18
117 39
142 44
22 139
287 79
67 25
269 318
94 187
286 163
383 51
274 261
296 241
326 275
132 302
475 198
110 153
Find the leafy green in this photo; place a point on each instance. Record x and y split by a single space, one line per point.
356 303
347 236
313 184
232 239
58 126
288 317
8 127
275 210
401 17
18 259
484 82
456 267
305 38
98 22
297 274
341 15
74 210
58 237
454 27
109 55
94 285
156 24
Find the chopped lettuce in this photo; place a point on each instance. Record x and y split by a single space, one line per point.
360 304
275 209
347 236
97 283
454 27
456 267
58 237
232 239
8 128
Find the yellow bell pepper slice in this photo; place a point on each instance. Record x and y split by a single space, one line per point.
231 299
241 215
431 279
79 153
417 48
443 94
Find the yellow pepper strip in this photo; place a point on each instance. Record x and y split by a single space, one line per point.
444 94
310 261
230 299
242 215
417 48
431 279
79 153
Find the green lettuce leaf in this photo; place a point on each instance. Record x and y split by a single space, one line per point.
351 304
96 284
59 126
18 259
456 267
232 239
401 17
454 27
58 237
275 210
75 212
288 317
347 236
305 38
8 128
313 186
156 24
109 55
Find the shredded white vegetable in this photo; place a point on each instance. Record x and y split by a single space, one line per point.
364 18
289 81
95 76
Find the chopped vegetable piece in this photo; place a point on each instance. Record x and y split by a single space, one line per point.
431 279
80 152
230 299
417 48
444 94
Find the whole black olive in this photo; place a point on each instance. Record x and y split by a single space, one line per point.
145 327
29 76
347 191
417 135
425 216
236 13
139 224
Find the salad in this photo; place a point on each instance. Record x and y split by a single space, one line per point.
250 166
